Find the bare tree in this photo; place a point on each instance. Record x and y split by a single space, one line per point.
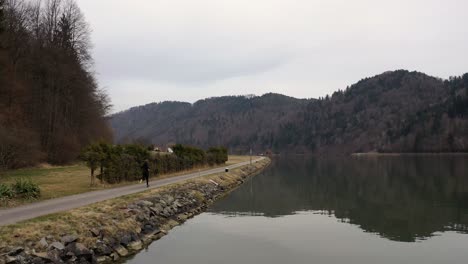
46 77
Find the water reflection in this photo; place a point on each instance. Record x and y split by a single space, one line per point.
405 198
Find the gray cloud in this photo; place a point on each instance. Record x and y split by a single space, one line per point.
186 50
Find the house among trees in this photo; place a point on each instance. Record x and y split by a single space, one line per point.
163 149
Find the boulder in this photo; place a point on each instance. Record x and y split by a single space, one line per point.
167 212
54 255
125 240
182 217
169 199
142 218
102 249
144 203
10 259
15 251
135 245
69 256
57 245
115 256
38 260
157 209
79 250
43 243
103 259
69 239
95 232
121 251
42 255
177 204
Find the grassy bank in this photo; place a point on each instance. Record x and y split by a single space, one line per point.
62 181
117 216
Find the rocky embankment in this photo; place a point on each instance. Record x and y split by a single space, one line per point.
112 230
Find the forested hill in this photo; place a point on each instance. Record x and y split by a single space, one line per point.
50 104
234 121
396 111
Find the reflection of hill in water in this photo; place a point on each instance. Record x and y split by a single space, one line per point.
400 198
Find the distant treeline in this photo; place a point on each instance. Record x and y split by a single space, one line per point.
117 163
396 111
50 104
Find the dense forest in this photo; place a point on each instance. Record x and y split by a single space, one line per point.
50 103
397 111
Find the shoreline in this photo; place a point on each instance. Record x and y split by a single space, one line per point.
114 229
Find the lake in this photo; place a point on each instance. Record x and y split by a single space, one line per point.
398 209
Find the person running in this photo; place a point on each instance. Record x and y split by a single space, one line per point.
145 170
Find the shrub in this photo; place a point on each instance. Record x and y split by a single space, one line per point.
119 163
5 191
26 188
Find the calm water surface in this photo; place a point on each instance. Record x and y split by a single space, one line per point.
356 210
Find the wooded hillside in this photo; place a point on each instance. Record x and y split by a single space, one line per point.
50 104
396 111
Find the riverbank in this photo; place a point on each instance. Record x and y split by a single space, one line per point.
116 228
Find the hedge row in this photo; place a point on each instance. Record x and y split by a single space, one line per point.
117 163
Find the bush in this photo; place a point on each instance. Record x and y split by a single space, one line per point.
5 191
26 188
119 163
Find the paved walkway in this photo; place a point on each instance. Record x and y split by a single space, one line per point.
13 215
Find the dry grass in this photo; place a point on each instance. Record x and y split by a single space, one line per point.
62 181
111 215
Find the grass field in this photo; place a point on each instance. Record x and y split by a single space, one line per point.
68 180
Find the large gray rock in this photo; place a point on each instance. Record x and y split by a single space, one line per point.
102 249
69 239
95 232
144 203
121 251
157 209
135 245
79 250
10 259
167 212
42 255
43 243
103 259
54 256
57 245
115 256
125 240
15 251
38 260
169 199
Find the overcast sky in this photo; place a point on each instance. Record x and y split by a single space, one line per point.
156 50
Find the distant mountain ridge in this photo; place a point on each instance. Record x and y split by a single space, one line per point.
397 111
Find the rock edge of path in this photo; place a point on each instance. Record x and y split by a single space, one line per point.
125 231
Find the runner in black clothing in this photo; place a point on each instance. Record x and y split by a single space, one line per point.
145 170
